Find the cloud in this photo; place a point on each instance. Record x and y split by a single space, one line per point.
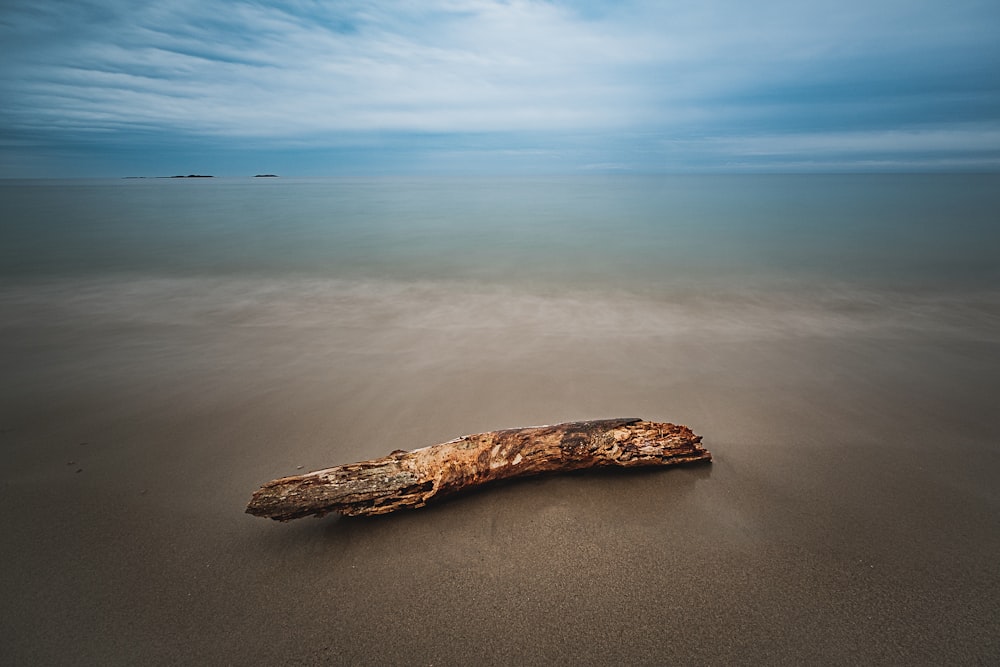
250 70
712 76
973 147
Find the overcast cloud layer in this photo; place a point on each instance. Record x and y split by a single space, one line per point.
304 87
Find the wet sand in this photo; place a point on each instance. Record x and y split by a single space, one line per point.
851 515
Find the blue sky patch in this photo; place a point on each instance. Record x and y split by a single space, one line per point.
111 88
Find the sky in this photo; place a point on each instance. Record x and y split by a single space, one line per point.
315 88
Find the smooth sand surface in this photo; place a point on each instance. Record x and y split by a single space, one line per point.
851 515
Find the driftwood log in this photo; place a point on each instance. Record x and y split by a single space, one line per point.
409 479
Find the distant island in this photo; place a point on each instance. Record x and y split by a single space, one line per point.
198 176
188 176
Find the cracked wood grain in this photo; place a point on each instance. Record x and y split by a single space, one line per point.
410 479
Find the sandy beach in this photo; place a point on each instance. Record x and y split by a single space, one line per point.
850 515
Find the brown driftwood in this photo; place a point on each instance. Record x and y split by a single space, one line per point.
409 479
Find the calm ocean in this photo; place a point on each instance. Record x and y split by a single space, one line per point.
624 232
724 253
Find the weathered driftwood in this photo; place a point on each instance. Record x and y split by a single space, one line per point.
410 479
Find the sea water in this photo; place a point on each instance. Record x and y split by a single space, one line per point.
668 259
637 233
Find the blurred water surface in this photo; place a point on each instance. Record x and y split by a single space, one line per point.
638 233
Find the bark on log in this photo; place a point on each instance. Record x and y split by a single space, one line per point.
409 479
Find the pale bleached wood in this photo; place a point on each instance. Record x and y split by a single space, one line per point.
410 479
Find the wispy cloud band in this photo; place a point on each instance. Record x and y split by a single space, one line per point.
807 78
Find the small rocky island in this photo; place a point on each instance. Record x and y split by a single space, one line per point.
188 176
266 176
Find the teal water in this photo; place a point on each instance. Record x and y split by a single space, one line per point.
633 233
694 257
